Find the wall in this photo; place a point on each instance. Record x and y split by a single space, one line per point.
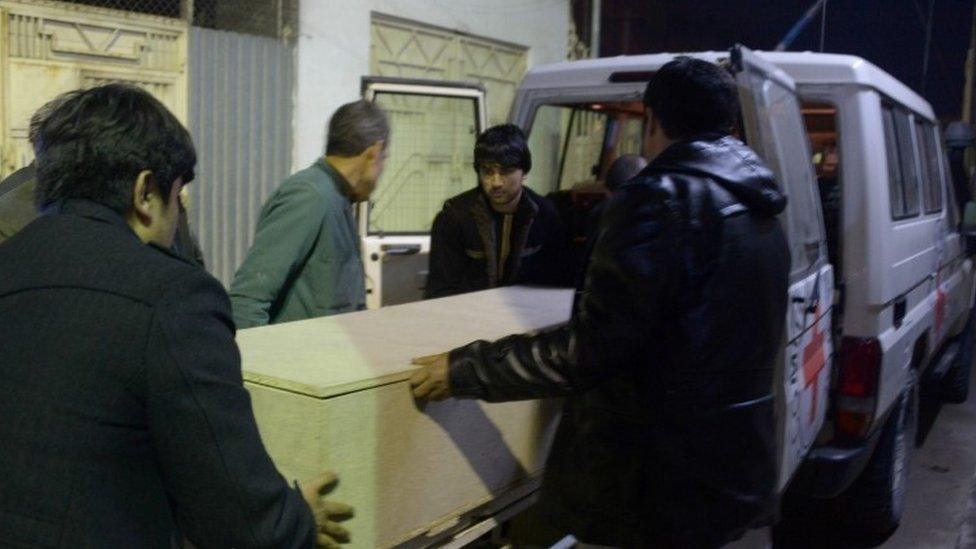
334 47
240 118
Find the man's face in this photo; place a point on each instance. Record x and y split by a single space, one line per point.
501 184
375 162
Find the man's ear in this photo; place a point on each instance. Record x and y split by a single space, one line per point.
651 122
143 192
376 149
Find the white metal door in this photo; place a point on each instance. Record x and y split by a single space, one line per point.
433 128
774 129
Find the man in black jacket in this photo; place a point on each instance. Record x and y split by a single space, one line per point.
501 232
667 437
123 417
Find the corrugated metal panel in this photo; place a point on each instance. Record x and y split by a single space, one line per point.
240 118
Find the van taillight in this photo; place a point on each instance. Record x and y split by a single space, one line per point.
857 386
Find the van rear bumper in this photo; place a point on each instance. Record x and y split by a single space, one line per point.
829 470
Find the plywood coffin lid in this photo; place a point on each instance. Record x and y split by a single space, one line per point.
330 356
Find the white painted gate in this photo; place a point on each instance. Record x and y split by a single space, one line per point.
406 49
48 48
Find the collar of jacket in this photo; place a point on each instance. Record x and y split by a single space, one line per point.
679 150
524 216
102 214
727 162
342 184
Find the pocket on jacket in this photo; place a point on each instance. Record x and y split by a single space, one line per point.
474 254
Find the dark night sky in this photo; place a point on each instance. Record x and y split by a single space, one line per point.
889 33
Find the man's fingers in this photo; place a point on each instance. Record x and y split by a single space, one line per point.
335 531
323 483
337 511
424 389
317 486
327 542
419 377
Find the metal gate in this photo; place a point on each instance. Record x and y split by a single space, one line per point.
240 112
49 48
407 49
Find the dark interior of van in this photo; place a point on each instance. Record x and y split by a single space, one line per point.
821 124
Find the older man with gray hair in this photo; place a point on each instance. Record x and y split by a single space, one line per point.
305 260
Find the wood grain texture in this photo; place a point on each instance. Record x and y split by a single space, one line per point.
331 393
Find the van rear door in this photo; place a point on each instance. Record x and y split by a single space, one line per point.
774 128
433 128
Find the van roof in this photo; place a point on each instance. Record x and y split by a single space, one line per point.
803 67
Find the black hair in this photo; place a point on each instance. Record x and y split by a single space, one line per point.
94 143
354 127
691 96
503 145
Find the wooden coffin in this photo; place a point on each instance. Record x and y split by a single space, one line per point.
332 393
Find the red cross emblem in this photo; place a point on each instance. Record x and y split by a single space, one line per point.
814 362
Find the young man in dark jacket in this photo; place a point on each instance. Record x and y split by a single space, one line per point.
667 437
123 416
501 232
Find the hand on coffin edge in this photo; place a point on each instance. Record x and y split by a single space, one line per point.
431 381
328 514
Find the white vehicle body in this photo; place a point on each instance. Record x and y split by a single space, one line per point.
901 286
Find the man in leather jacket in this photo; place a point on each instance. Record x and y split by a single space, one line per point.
667 436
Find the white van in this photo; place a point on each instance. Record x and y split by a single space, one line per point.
879 270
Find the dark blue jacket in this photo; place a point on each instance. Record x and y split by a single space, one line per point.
122 409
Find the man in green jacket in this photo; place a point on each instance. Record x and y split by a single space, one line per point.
305 261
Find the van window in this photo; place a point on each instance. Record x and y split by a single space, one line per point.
895 193
573 145
821 123
902 170
928 154
786 150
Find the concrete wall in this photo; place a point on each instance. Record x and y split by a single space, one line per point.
334 47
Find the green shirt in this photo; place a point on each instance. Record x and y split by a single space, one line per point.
305 260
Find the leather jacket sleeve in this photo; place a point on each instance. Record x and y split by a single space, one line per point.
631 280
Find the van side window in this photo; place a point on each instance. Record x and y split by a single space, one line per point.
894 171
928 154
902 170
786 149
820 119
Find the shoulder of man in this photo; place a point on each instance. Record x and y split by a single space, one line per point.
302 188
545 204
311 178
656 188
691 200
178 277
460 204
